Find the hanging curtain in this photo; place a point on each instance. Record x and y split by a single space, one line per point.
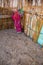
39 2
0 2
15 3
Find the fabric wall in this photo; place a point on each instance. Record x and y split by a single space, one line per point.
10 3
15 3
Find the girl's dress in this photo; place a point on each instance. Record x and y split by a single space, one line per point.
16 18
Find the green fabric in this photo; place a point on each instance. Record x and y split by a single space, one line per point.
21 11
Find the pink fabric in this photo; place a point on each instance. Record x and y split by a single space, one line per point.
18 26
16 17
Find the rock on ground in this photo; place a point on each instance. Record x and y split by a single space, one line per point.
17 49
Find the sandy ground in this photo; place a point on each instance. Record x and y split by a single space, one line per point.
17 49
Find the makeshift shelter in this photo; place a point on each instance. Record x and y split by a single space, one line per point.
32 19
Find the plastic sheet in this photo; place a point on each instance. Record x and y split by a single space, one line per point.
40 38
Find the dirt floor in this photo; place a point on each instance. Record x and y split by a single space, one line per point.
17 49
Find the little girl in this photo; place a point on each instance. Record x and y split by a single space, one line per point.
16 18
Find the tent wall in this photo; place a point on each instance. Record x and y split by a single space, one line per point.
18 3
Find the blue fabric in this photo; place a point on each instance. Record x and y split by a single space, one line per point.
40 39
